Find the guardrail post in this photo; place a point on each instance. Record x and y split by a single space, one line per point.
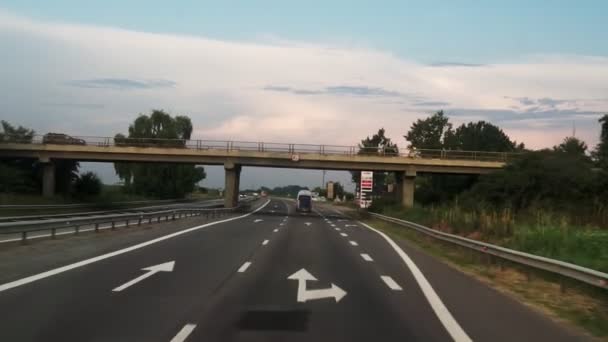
139 221
23 237
127 223
53 231
113 225
173 217
149 220
76 229
96 227
158 219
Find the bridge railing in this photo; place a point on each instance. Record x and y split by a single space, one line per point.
233 145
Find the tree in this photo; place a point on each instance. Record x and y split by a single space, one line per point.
429 133
164 180
19 134
572 145
377 144
88 184
478 136
338 190
601 151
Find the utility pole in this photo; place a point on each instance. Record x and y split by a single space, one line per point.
323 181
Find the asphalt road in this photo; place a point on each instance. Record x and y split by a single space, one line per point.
230 281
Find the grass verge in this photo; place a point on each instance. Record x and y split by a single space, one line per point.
583 306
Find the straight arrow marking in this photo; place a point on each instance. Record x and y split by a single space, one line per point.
165 267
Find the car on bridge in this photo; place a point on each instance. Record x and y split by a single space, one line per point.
61 139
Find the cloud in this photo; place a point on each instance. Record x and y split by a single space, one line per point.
287 92
121 83
341 90
456 64
436 104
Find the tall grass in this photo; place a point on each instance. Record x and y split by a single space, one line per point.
541 232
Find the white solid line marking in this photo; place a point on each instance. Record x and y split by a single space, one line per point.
276 230
183 334
265 242
391 283
344 234
444 315
366 257
354 243
244 267
85 262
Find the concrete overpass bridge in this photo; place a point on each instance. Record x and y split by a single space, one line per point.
235 154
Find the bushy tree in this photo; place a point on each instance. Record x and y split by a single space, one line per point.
572 145
380 144
164 180
479 136
88 184
429 133
601 152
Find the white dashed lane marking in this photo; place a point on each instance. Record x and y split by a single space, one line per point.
344 234
276 230
244 267
391 283
265 242
354 243
366 257
183 334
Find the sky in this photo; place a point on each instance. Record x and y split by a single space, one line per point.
329 72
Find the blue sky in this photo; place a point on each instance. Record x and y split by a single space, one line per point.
427 31
324 72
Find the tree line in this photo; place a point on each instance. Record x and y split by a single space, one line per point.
156 180
568 178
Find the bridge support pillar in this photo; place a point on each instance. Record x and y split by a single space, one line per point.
48 179
231 190
405 188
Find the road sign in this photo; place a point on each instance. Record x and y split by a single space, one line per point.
367 181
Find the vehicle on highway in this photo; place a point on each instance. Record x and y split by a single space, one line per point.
61 139
304 201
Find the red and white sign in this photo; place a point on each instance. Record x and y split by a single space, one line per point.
367 181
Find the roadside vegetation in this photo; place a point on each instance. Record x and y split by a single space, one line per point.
21 178
552 202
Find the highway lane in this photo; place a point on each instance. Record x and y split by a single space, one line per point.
229 282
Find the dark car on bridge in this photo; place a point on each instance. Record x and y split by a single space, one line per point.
61 139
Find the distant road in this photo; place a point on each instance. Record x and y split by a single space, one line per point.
274 275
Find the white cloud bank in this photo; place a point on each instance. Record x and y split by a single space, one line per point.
87 80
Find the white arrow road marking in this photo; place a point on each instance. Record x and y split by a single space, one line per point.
257 220
354 243
55 271
366 257
344 234
183 334
307 224
265 242
164 267
391 283
305 295
244 267
450 324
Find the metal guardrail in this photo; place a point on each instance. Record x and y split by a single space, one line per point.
289 148
53 225
204 205
568 270
87 205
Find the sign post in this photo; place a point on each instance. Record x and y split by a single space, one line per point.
367 186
